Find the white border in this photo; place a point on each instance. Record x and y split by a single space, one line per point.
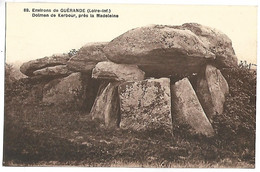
178 2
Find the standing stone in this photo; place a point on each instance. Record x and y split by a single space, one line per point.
211 90
146 104
187 109
117 72
97 106
87 57
65 91
106 105
57 59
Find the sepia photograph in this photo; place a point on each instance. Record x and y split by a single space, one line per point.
129 85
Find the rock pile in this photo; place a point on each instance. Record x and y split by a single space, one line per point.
140 81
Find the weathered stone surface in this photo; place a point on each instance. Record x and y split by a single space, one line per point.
146 104
57 59
106 106
65 91
216 41
87 57
117 72
60 70
187 109
159 50
211 90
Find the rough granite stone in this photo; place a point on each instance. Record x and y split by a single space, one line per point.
187 110
146 104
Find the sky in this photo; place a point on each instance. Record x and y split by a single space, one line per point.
29 38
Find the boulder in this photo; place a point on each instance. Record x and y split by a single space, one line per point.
211 90
57 59
117 72
159 50
187 110
217 42
106 106
60 70
146 104
67 91
87 57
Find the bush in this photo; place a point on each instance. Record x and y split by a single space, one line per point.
236 127
8 71
73 52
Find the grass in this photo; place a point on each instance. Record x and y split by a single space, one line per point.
44 136
37 134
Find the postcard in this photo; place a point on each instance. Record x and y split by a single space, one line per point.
130 85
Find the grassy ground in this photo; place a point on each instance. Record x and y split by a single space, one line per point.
38 134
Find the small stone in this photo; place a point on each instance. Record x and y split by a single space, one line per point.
117 72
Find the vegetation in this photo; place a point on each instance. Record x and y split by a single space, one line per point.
42 134
244 64
73 52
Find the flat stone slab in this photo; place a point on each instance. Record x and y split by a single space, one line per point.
59 70
146 104
57 59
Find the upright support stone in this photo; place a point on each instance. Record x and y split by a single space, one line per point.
211 90
187 109
146 104
106 105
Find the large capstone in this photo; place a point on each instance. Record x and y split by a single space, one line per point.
187 110
211 90
146 104
160 50
217 42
